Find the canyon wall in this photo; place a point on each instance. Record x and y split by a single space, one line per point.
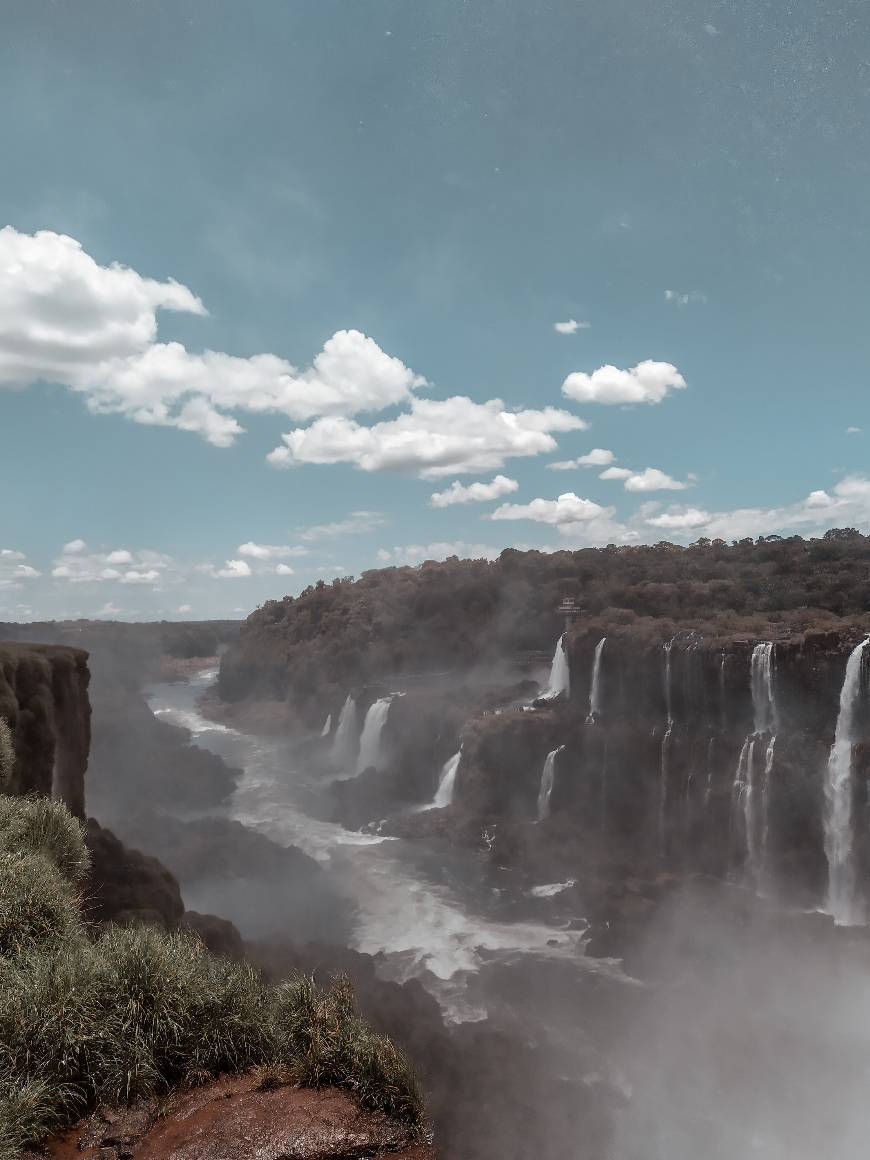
44 698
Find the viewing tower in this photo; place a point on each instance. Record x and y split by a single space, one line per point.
570 610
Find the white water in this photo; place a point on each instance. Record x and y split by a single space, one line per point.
749 798
548 776
421 926
560 677
666 746
327 726
595 687
344 744
370 740
841 901
551 889
447 782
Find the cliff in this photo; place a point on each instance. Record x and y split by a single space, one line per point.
44 698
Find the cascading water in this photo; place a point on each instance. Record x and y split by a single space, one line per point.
344 744
548 775
560 677
595 687
327 726
841 901
447 782
370 739
666 745
749 800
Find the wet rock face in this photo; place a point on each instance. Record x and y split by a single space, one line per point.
244 1117
44 697
652 778
126 886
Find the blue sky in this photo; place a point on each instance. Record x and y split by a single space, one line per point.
420 192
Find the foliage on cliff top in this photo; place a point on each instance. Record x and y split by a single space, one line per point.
459 612
138 1011
7 753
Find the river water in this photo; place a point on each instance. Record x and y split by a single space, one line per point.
424 907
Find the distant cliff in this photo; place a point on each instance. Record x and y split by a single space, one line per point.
44 698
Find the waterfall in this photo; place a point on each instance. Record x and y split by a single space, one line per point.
327 726
447 782
841 903
666 744
370 739
344 742
548 774
750 801
560 678
595 687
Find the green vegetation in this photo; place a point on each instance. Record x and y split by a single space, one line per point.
134 1011
7 753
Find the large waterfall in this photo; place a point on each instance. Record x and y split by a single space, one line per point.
327 726
751 789
841 901
447 782
344 744
548 775
595 687
370 739
560 678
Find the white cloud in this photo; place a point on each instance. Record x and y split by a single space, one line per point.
109 609
853 431
66 319
356 524
14 569
648 382
435 438
570 327
458 493
233 570
271 551
597 457
417 553
185 608
679 519
650 479
685 297
78 566
567 510
284 570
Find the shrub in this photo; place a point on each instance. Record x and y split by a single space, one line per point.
37 907
38 825
7 753
139 1011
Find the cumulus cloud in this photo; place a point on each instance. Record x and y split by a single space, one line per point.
356 524
65 318
417 553
458 493
853 430
435 438
284 570
233 570
271 551
685 297
648 382
14 568
680 519
650 479
597 457
77 565
184 608
570 327
568 509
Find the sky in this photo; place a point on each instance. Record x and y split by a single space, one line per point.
296 289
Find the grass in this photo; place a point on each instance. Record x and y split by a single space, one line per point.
137 1011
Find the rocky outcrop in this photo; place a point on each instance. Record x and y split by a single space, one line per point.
44 698
247 1117
127 886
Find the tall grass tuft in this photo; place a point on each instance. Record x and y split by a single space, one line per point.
7 754
139 1011
39 825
